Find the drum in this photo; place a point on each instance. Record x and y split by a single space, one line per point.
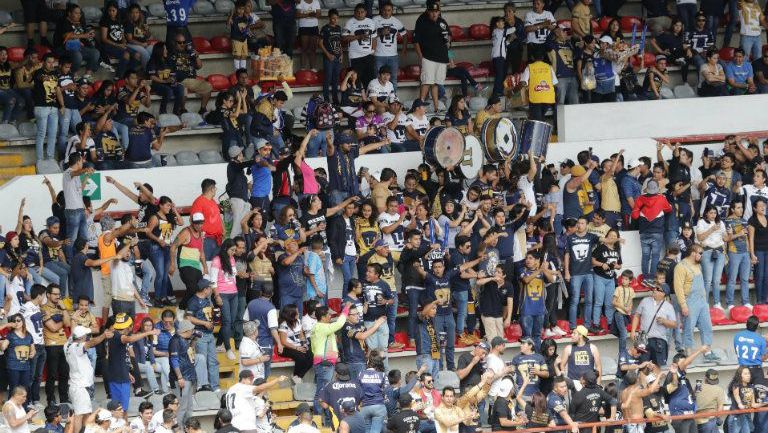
499 138
473 157
444 147
535 135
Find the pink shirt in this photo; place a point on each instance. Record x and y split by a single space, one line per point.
225 283
308 174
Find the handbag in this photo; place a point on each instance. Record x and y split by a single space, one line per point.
642 336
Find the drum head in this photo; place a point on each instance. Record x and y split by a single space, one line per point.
506 137
448 148
473 157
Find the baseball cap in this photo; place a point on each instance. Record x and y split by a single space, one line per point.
578 170
198 217
80 331
261 143
526 340
720 173
103 415
114 405
234 151
123 321
303 408
184 325
483 345
418 102
660 57
433 5
203 283
581 330
342 371
634 163
379 243
607 39
652 187
712 377
498 341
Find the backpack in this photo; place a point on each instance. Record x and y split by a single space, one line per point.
318 114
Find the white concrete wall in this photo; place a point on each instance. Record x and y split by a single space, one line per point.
672 117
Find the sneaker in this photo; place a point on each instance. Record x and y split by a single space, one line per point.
549 333
711 357
313 70
719 306
231 355
159 392
748 305
217 390
220 349
141 393
148 302
559 331
396 345
204 388
107 66
296 380
595 329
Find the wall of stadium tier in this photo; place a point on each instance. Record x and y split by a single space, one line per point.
675 117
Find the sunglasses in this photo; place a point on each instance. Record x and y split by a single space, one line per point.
18 321
181 42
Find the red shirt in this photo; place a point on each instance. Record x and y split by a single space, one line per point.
213 225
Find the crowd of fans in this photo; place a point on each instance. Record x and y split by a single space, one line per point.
569 62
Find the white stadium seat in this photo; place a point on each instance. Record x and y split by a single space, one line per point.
168 119
186 157
203 7
224 6
8 131
210 157
27 129
157 10
684 91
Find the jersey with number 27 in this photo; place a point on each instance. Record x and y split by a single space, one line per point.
750 348
177 12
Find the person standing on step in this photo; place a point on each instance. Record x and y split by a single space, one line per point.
187 249
262 311
580 357
431 37
359 33
182 356
55 319
200 313
117 373
751 350
388 28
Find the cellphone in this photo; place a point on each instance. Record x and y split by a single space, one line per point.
698 386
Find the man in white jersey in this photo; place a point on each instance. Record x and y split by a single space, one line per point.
81 371
33 319
387 29
396 122
242 400
392 227
381 88
358 33
538 24
751 192
15 288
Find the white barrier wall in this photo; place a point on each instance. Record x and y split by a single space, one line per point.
673 117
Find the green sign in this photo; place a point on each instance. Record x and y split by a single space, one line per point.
92 186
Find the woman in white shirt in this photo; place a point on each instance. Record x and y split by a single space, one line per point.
295 345
711 234
307 12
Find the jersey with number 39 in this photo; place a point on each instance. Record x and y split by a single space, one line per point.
177 12
750 348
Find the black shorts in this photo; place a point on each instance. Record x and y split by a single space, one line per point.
35 11
309 31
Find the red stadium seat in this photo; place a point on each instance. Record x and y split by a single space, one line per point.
202 45
277 358
595 26
137 321
604 21
479 32
15 54
761 311
221 44
219 82
726 53
740 314
335 304
513 333
306 77
457 33
413 71
477 72
465 65
402 338
629 21
42 50
564 325
718 317
401 74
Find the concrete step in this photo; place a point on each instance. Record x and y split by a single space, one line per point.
17 171
14 159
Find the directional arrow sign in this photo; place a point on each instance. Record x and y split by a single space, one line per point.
92 187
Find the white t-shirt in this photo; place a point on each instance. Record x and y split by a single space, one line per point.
74 141
497 365
292 333
387 44
156 423
749 16
80 368
15 289
33 319
349 247
380 91
122 280
303 428
137 426
311 7
307 325
249 349
749 191
18 412
397 135
540 35
526 187
498 48
419 125
242 403
364 47
396 239
73 190
262 422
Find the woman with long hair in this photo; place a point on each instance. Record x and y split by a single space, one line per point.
671 44
144 353
551 256
711 234
548 350
613 30
31 249
19 349
712 76
606 260
233 106
739 264
223 274
451 217
113 42
137 33
160 227
758 248
366 227
288 227
742 392
536 412
424 222
458 115
163 81
252 226
295 344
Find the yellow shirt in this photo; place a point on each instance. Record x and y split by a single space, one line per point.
87 320
624 296
582 18
683 280
51 338
482 116
600 231
541 83
609 195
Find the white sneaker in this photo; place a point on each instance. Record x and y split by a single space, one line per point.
719 306
748 305
107 66
548 333
559 331
220 349
231 355
729 308
297 380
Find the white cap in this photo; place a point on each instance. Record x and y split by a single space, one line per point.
80 332
634 163
104 415
607 39
505 387
198 217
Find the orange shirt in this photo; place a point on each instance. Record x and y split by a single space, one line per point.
104 252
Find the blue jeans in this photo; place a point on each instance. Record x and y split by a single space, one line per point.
374 417
122 131
461 297
228 310
206 365
751 45
36 368
731 27
577 283
532 328
161 261
677 331
69 119
168 91
323 376
124 58
761 279
11 101
712 264
210 248
446 323
603 289
394 65
317 144
687 14
18 378
37 273
433 365
380 340
741 423
47 119
621 324
89 55
148 371
298 301
652 245
391 318
348 265
332 70
62 272
739 265
144 52
77 226
147 279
